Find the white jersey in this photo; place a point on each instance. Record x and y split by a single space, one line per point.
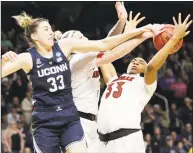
122 103
85 82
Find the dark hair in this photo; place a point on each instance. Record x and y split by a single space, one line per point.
29 25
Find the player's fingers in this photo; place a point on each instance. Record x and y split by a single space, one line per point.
175 23
9 58
141 19
179 18
117 4
188 24
12 56
159 32
187 33
136 17
130 15
15 56
5 57
186 20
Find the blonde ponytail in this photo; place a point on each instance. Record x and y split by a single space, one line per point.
24 20
29 25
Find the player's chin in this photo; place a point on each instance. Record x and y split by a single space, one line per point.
133 71
50 42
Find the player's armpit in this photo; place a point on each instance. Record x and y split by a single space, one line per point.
23 61
108 72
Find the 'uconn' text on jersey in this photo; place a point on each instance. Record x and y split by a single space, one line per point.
52 70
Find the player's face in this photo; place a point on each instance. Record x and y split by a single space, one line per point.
137 65
44 34
79 35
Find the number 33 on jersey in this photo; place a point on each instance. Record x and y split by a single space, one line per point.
118 84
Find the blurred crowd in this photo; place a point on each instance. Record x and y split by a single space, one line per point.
166 130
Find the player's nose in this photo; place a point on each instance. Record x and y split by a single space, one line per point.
51 33
136 63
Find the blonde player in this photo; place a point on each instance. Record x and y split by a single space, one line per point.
124 99
85 74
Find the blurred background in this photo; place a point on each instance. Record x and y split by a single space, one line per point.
166 120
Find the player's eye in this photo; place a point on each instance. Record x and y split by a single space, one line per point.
141 63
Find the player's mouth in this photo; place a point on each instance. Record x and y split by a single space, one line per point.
134 67
51 38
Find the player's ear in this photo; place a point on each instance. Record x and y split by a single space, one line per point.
34 36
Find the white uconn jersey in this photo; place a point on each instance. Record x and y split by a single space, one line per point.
85 82
122 103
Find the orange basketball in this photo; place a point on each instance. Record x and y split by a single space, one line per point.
161 39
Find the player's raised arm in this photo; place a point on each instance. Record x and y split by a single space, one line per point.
122 16
11 62
69 45
158 60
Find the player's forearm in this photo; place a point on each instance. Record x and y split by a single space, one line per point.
118 28
10 67
111 42
127 47
159 59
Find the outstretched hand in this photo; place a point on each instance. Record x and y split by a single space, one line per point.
133 22
181 27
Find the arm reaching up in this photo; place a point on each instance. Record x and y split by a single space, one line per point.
122 15
159 59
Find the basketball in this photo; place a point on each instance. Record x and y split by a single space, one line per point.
161 39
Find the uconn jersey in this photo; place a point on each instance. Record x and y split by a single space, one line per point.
51 79
55 120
